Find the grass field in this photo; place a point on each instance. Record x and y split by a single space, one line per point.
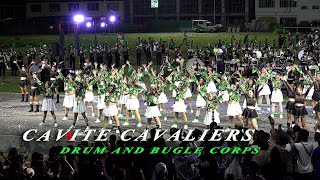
9 84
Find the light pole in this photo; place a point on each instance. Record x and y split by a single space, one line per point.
112 19
214 12
77 19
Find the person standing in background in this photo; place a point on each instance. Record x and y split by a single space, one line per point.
2 65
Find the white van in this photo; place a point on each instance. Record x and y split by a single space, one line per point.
204 26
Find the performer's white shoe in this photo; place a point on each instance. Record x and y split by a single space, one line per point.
126 124
195 121
313 112
191 111
117 131
272 115
93 115
161 109
88 127
97 120
110 121
281 116
41 124
139 125
174 126
65 118
120 115
165 118
268 109
55 124
185 127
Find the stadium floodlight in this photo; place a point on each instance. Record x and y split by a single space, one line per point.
103 24
88 24
112 19
78 18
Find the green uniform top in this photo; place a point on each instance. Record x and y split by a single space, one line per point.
152 99
89 85
48 92
180 94
161 87
79 95
277 84
135 91
69 86
101 88
234 95
111 97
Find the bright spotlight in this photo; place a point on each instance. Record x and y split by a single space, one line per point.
112 19
78 18
88 24
103 24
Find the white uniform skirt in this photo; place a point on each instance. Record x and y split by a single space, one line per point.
200 103
78 107
88 97
124 99
180 107
211 87
225 95
110 111
152 112
208 117
234 109
188 93
276 96
309 96
265 90
132 104
101 103
68 101
48 105
162 98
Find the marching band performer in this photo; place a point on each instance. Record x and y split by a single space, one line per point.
264 88
276 96
134 89
234 108
48 104
162 99
123 88
250 108
290 103
24 82
89 97
152 111
54 82
35 92
200 103
212 115
101 94
110 109
299 110
179 105
78 105
69 89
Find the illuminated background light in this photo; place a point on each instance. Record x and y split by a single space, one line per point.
88 24
112 18
78 18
